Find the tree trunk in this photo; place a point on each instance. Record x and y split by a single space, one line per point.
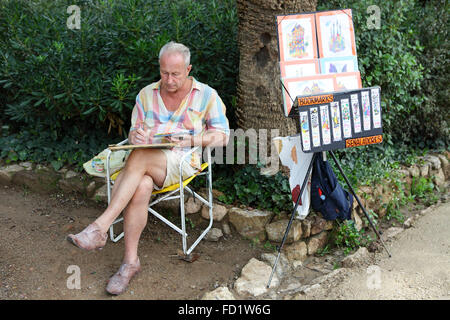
259 100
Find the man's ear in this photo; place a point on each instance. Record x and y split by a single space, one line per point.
189 68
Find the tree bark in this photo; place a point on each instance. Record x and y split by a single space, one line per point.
259 100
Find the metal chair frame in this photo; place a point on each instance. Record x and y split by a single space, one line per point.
177 193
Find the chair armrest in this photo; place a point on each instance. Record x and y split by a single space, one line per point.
187 154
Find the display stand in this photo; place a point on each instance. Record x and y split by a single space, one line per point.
323 128
279 248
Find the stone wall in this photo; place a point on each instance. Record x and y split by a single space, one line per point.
305 237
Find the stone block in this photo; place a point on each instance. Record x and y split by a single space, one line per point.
250 224
316 242
298 251
276 230
254 278
218 212
7 173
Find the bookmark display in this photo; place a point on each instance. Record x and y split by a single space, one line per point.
339 120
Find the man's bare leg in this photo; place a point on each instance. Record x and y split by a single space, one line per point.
150 162
135 218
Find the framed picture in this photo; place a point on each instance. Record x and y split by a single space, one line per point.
338 64
347 81
304 86
301 68
297 37
335 33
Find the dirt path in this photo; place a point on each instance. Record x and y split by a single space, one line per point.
36 261
35 257
418 269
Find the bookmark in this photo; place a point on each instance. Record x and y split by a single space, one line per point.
304 125
346 121
366 109
356 114
315 129
376 109
335 121
325 121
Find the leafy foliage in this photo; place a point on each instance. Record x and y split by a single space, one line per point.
72 84
347 237
408 58
246 185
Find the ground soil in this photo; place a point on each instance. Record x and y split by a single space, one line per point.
35 256
419 268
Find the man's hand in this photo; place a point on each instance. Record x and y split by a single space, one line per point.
139 136
183 141
209 139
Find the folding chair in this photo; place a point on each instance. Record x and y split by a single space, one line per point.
175 191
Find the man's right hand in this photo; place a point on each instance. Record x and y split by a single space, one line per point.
139 136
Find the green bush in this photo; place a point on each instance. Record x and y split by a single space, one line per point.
247 186
407 57
60 86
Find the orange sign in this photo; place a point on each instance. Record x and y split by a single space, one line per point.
357 142
307 101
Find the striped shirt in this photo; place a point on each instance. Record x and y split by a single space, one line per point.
200 111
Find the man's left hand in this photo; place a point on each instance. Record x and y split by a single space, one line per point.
183 141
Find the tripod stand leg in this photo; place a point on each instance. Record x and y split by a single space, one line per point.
359 202
305 181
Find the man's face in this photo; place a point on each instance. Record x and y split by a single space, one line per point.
173 71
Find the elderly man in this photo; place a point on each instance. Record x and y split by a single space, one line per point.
177 103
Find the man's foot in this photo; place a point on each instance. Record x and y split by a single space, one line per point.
90 238
118 283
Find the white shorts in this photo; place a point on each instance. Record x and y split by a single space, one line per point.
173 169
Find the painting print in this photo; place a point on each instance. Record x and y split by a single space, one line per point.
346 120
304 86
297 37
309 86
325 121
348 81
376 109
297 69
365 100
335 121
315 127
335 33
338 65
304 125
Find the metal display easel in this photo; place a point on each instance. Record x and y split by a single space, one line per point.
307 105
300 196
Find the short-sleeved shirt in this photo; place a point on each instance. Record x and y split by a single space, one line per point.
200 111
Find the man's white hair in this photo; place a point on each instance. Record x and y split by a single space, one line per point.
174 47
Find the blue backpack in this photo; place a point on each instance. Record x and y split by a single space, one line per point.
327 195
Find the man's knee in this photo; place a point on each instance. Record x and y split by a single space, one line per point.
145 186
